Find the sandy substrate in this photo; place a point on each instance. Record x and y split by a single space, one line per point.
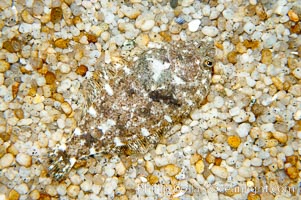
242 143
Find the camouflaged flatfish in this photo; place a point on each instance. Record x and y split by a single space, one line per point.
128 107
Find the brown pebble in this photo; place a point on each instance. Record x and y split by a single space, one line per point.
76 20
56 15
232 57
36 63
292 159
82 70
14 45
61 43
15 89
91 38
13 195
292 172
281 137
66 108
266 56
152 179
293 16
295 28
35 194
50 78
250 10
253 196
234 141
194 158
240 48
218 161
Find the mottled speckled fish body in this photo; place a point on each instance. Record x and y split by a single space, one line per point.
129 107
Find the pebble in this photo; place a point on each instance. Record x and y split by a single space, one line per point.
243 129
66 108
249 28
147 25
297 73
245 172
120 169
256 162
6 160
22 188
233 141
149 166
23 159
187 2
219 171
172 170
200 167
193 25
281 137
4 66
211 31
35 194
73 190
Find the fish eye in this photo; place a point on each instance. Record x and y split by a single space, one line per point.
208 63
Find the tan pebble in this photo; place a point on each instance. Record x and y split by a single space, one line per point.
232 57
73 190
32 91
257 109
296 28
149 166
271 143
133 13
58 97
210 158
50 78
19 113
253 44
234 141
260 12
66 108
199 166
172 170
13 195
44 196
293 16
4 66
34 195
277 82
23 159
142 40
218 161
2 151
81 70
281 137
6 160
56 15
194 158
295 90
120 169
152 179
166 36
253 196
61 43
240 48
266 56
175 28
12 149
232 191
38 99
292 172
219 171
26 16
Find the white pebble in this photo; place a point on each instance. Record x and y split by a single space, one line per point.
22 188
297 115
193 25
243 129
206 10
249 27
220 171
228 14
86 185
185 129
160 149
218 101
211 31
234 111
245 172
288 150
109 171
147 25
187 2
256 162
25 122
23 159
297 73
120 169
